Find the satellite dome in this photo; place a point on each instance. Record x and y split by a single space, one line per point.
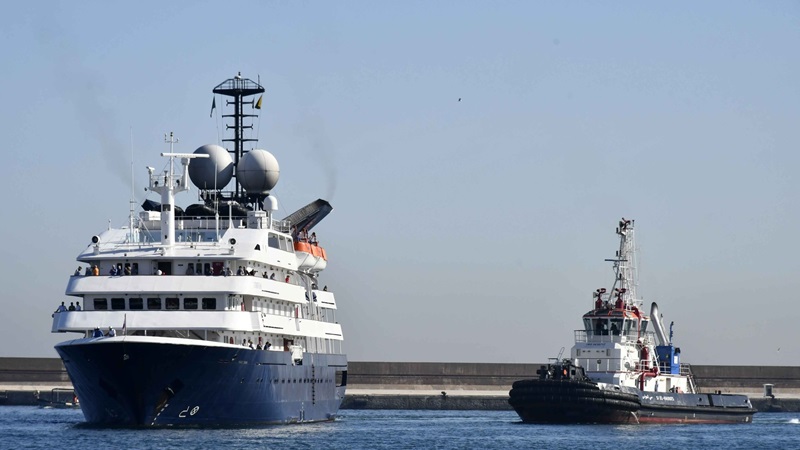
258 172
214 172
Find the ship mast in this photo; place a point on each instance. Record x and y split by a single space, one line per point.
168 185
239 89
626 278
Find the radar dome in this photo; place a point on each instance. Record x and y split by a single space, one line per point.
258 172
214 172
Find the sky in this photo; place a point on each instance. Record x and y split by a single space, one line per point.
471 230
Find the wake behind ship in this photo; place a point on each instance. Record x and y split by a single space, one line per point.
623 368
212 316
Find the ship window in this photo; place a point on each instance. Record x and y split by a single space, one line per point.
628 325
100 304
616 326
117 303
136 303
601 327
153 303
209 303
273 240
284 245
172 303
190 303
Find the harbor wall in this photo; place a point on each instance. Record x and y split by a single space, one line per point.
428 385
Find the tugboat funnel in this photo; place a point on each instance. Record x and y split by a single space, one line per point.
655 317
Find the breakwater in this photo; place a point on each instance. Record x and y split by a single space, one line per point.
429 385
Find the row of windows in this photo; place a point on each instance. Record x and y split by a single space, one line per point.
156 303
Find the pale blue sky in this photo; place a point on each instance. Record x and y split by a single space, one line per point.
461 231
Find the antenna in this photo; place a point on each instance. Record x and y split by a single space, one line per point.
133 195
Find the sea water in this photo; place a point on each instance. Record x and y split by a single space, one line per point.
32 427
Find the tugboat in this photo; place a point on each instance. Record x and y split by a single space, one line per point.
622 369
212 316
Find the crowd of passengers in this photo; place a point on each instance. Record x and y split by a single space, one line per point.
119 270
260 346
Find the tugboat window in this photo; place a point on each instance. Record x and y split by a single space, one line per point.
616 326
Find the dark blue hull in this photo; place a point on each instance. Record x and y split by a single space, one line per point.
135 383
580 401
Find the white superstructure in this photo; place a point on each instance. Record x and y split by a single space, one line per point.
618 345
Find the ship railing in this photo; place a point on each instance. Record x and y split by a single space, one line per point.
686 369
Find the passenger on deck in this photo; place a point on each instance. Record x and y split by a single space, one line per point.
71 306
61 308
113 271
250 344
78 306
313 239
96 270
267 346
272 277
287 278
240 271
88 271
260 345
325 288
228 271
190 269
244 342
97 332
78 271
303 235
111 332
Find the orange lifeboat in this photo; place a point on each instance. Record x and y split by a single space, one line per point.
310 256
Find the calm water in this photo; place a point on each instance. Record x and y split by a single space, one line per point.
31 427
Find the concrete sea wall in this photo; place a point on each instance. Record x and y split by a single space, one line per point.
428 385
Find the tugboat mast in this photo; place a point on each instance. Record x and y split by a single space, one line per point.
626 277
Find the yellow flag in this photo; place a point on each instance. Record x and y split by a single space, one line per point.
258 103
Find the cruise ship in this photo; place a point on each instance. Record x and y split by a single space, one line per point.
212 315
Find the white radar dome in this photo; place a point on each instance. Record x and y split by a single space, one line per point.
214 172
258 172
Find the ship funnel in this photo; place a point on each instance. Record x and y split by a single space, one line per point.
655 318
